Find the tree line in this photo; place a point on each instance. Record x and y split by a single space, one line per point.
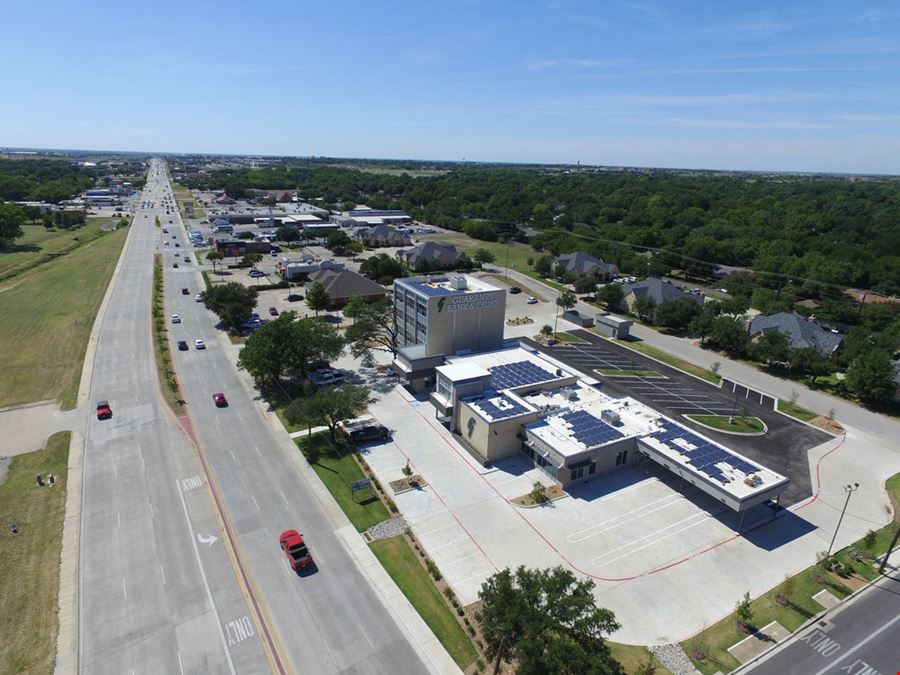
46 180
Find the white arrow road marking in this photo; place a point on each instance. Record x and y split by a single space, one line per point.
209 540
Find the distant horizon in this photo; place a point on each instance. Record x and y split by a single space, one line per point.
175 153
810 86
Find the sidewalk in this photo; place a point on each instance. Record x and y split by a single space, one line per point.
27 427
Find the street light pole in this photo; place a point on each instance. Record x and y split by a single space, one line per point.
849 489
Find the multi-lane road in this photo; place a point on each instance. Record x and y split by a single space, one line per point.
180 569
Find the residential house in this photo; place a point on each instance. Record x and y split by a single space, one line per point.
281 196
342 285
802 332
224 199
382 235
431 254
659 290
581 264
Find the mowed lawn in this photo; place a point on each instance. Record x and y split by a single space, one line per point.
47 315
38 241
518 254
29 560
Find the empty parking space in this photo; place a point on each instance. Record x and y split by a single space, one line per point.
676 394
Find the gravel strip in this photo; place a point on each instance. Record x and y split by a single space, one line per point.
387 528
672 656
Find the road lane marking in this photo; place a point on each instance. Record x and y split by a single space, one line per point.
119 519
163 573
124 588
192 482
284 498
151 508
209 594
255 502
232 455
330 653
860 644
257 451
365 635
180 664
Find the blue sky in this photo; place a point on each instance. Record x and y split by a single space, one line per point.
799 85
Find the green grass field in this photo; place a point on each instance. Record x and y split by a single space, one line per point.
400 562
739 425
182 194
632 656
48 315
33 247
336 468
29 560
515 254
794 410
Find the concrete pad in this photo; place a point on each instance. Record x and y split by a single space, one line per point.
827 599
763 639
27 427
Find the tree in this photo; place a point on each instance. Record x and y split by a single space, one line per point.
565 300
743 613
676 314
547 621
585 284
373 329
810 361
214 257
728 334
483 256
317 297
611 295
283 348
772 347
252 259
287 234
337 241
232 303
644 307
355 307
380 267
871 376
11 221
355 248
702 324
329 406
544 265
538 492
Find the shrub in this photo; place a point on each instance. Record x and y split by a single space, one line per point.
433 569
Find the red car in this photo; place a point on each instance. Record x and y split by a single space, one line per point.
104 412
293 546
220 400
273 311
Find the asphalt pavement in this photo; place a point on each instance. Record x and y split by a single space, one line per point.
327 619
860 638
156 594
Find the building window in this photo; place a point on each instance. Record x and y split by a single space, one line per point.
622 458
592 469
577 473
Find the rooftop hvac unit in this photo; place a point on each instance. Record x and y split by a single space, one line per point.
611 417
458 283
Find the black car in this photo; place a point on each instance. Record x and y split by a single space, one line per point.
370 432
183 345
294 297
514 289
175 265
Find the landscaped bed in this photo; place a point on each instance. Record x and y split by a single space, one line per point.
731 425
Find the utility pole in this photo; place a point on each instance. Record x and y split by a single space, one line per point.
849 489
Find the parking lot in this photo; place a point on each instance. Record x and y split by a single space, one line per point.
783 448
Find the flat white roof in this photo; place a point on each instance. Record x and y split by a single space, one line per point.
458 372
440 284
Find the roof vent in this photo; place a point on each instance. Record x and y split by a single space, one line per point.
458 283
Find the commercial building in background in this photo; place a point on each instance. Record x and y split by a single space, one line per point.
441 315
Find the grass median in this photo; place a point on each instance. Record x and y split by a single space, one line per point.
796 411
337 469
48 313
161 346
29 560
733 425
399 561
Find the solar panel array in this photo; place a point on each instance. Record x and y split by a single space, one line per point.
518 374
705 455
588 429
509 408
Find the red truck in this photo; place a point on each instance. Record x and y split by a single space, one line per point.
294 547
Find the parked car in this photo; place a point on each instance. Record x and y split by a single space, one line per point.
273 311
531 300
220 400
198 297
514 290
104 412
183 345
177 245
185 291
199 344
294 547
175 318
368 433
326 377
294 297
175 265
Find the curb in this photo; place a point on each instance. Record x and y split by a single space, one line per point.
66 657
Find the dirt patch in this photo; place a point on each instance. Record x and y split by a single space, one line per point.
519 321
828 424
552 493
853 582
408 483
